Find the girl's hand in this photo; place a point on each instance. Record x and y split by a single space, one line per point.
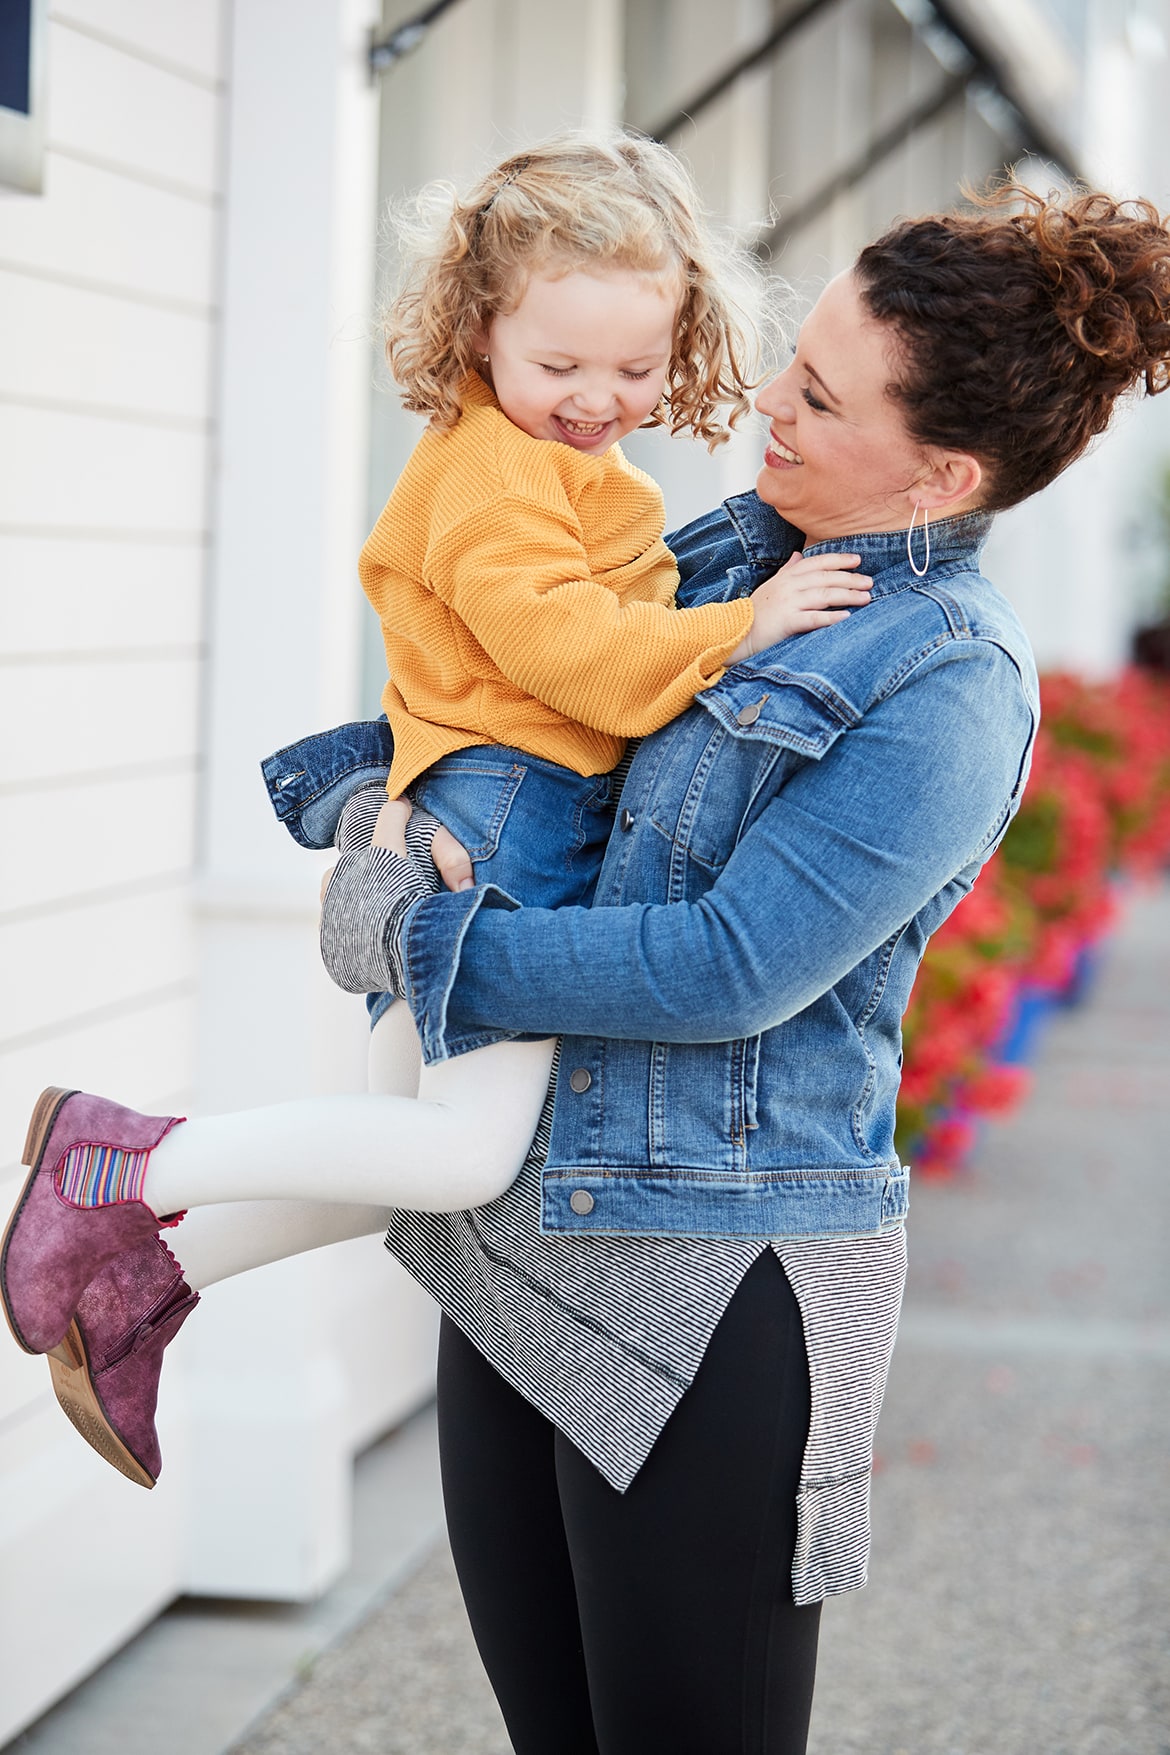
804 594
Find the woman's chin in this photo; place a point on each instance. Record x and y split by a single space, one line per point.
776 489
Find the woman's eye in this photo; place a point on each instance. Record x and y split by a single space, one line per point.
820 407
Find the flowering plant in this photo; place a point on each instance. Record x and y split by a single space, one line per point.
1097 809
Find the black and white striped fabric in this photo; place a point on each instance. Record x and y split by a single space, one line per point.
370 893
605 1334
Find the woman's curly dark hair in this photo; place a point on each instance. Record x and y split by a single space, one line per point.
1020 324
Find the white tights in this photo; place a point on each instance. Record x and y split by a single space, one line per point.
263 1184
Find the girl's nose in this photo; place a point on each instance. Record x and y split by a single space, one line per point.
593 400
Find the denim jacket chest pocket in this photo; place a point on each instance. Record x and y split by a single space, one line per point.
758 726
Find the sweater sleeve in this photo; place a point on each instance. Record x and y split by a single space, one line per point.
568 640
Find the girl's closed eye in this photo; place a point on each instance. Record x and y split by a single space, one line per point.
638 376
557 371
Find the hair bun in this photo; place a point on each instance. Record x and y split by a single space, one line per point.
1108 265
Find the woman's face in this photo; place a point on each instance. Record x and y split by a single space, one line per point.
840 459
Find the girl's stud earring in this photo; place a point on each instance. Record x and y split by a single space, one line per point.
919 572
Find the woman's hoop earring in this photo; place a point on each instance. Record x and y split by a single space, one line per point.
919 572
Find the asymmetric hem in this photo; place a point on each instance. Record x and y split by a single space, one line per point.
604 1334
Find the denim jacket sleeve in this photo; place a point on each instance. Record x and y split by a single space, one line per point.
840 860
309 782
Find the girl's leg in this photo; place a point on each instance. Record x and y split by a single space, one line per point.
217 1242
692 1640
461 1143
507 1535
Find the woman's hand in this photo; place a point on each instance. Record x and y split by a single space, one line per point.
804 594
449 857
371 892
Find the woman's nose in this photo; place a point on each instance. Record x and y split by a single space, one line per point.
775 401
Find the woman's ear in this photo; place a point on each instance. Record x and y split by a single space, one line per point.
953 476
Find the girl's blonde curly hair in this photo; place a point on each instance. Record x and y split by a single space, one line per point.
576 201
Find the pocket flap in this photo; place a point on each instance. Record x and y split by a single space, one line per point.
795 710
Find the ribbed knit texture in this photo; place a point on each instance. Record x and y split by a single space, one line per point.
527 598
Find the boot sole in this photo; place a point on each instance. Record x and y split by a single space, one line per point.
44 1115
77 1393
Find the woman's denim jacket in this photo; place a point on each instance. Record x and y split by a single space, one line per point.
731 1003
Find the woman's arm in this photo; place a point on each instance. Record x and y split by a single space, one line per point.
846 854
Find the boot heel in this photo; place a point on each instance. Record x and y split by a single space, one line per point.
70 1355
41 1123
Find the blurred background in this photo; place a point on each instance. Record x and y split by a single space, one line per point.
195 437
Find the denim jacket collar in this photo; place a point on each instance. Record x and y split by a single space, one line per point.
768 540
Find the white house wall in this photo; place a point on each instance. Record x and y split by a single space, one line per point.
107 331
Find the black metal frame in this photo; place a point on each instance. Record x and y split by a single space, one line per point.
385 51
980 70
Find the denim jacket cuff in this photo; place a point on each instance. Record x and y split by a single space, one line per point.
310 782
433 944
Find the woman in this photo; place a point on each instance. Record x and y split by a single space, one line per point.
664 1348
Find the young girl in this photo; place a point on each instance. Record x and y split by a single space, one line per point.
526 597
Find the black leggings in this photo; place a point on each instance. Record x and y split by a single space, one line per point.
661 1619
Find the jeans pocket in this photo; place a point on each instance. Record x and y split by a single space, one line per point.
471 799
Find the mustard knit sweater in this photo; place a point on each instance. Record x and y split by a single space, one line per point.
527 598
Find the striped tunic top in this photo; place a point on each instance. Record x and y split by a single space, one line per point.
604 1334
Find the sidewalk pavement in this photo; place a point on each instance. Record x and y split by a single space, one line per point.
1021 1495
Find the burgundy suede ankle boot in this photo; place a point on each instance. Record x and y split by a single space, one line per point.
106 1370
53 1248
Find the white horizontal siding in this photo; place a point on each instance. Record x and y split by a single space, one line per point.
95 823
66 1515
184 35
71 720
141 1057
84 472
75 347
93 228
63 593
150 122
76 961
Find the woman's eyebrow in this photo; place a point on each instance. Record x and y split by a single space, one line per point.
813 373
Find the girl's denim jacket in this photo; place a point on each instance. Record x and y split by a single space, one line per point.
731 1004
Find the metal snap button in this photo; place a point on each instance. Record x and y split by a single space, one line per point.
581 1201
580 1080
749 715
626 821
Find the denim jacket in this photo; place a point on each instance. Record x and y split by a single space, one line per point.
731 1004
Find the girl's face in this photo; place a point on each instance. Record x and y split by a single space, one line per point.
840 459
583 357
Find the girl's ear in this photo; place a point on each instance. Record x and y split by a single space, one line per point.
479 338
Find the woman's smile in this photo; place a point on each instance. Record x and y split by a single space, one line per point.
778 455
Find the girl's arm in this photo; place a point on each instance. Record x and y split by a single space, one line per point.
565 638
627 669
845 855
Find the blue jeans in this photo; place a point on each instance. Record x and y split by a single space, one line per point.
536 830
